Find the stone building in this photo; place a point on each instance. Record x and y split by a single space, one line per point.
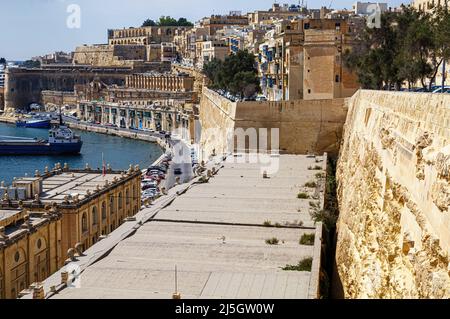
89 203
215 49
143 35
58 57
156 115
110 55
59 98
25 86
218 22
277 12
160 82
30 248
427 5
299 56
186 43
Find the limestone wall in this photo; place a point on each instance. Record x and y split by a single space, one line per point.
24 86
394 196
313 126
59 98
109 55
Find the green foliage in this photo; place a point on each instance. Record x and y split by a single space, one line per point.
311 184
320 175
328 218
149 23
307 239
272 241
302 196
237 74
304 265
183 22
313 204
267 223
409 46
167 21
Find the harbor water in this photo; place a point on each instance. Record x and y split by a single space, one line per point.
117 151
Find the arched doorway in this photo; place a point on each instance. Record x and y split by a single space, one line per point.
19 274
41 259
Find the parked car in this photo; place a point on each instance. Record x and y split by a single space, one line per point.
148 186
439 90
178 171
261 98
158 168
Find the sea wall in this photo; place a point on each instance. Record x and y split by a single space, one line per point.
313 126
393 232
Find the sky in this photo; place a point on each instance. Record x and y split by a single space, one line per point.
35 27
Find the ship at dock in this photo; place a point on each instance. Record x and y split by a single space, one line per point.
61 141
34 123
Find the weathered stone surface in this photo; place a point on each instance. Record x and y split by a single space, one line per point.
304 126
393 191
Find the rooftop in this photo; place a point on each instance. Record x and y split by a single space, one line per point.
214 234
57 187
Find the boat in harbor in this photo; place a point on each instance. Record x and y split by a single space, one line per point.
61 141
34 123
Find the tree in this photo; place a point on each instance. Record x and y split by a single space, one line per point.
237 74
3 61
183 22
408 47
149 23
167 21
440 21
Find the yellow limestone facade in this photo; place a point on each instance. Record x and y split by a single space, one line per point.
394 196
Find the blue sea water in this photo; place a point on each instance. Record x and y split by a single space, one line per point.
118 152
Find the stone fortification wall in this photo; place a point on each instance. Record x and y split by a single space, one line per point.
394 196
313 126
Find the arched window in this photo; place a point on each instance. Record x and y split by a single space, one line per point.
94 216
103 210
120 200
111 205
127 196
84 225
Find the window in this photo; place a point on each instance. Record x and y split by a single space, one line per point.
306 26
84 226
120 200
103 210
127 199
94 216
111 205
309 91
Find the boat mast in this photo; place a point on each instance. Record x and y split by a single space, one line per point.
60 117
